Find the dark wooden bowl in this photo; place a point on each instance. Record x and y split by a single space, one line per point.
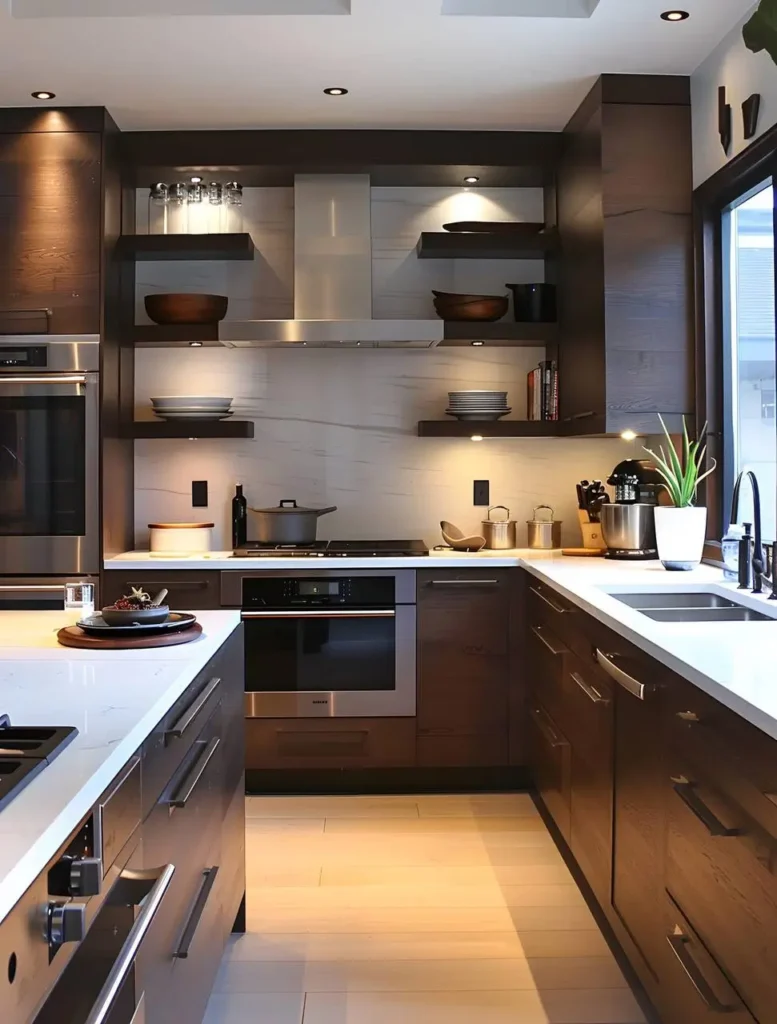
183 308
135 616
450 306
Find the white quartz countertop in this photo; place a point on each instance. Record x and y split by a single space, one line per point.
221 560
113 698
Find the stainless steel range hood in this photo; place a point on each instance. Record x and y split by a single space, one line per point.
332 277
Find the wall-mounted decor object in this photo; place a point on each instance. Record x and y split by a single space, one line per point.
760 32
751 108
724 119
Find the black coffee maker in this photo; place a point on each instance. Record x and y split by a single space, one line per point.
636 482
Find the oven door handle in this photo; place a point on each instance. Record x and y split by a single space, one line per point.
333 613
151 901
34 588
52 378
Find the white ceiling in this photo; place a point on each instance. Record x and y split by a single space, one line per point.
406 64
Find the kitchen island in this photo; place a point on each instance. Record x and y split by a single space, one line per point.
156 718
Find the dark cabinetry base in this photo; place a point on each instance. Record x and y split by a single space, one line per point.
239 926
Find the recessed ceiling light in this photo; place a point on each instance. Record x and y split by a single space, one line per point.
675 15
477 344
471 179
196 179
628 435
336 90
476 437
195 344
43 95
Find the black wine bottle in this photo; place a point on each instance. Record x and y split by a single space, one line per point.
239 518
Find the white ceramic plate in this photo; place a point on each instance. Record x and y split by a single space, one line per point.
210 415
189 401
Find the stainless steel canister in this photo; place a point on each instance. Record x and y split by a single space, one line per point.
499 533
544 534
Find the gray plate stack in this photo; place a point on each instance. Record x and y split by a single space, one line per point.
477 405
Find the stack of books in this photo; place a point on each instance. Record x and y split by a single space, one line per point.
542 391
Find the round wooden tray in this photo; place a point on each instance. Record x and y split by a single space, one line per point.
74 636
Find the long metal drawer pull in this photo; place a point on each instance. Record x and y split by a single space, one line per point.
556 607
589 690
464 583
208 880
182 796
547 731
556 650
686 790
629 683
123 964
38 588
193 710
679 944
332 613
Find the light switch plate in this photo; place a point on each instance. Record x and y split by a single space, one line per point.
482 493
199 493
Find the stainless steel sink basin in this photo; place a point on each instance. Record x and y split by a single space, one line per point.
701 600
691 607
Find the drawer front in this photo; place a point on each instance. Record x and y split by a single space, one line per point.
546 658
722 870
189 589
547 607
466 612
588 724
459 750
550 760
694 988
461 693
330 743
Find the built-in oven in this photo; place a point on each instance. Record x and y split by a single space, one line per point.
49 456
327 644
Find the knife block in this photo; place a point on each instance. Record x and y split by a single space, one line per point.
592 532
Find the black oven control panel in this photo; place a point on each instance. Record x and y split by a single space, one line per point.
318 592
32 356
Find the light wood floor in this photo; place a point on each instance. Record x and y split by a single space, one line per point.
413 910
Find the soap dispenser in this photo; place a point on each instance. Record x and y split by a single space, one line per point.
730 552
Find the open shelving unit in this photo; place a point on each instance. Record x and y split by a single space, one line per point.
169 430
504 332
187 247
488 428
470 245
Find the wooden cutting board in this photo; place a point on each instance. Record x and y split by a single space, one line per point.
74 636
583 552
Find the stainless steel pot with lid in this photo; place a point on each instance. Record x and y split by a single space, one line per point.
288 523
500 534
544 534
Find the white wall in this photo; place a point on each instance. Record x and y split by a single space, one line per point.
743 73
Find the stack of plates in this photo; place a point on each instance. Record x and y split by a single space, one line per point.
477 405
192 407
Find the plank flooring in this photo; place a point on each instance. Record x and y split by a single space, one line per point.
424 910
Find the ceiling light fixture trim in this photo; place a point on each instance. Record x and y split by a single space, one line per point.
675 16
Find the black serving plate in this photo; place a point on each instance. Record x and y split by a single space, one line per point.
95 625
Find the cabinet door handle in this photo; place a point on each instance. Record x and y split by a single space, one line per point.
208 881
686 790
556 649
590 692
464 583
546 729
182 796
556 607
680 943
629 683
193 710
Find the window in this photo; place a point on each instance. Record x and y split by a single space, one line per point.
748 412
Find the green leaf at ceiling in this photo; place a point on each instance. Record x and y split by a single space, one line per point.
760 32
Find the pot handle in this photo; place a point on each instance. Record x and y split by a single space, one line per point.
324 511
287 503
536 510
504 508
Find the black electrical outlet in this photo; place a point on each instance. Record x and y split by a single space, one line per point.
199 493
482 493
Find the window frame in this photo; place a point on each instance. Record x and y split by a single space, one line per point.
744 173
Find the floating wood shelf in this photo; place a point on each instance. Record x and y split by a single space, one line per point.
499 428
163 335
171 430
187 247
503 332
452 245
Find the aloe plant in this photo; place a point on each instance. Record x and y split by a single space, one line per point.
682 477
760 32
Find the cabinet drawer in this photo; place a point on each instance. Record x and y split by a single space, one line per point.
546 666
189 589
550 759
467 612
588 725
330 743
464 693
694 989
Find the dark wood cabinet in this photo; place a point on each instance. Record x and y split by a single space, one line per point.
189 589
51 200
329 743
463 667
550 761
625 223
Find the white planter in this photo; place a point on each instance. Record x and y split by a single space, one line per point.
680 534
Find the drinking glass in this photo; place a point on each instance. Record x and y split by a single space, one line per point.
79 601
157 209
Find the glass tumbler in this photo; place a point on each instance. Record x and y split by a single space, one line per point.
197 210
157 209
233 192
216 208
79 601
178 209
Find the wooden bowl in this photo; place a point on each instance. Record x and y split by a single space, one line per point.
483 308
183 308
455 538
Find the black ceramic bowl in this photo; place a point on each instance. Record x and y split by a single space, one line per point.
135 616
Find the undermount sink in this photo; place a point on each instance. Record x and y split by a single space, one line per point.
691 607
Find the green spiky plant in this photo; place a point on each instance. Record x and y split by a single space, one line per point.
682 477
760 32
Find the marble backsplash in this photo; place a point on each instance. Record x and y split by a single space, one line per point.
339 428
